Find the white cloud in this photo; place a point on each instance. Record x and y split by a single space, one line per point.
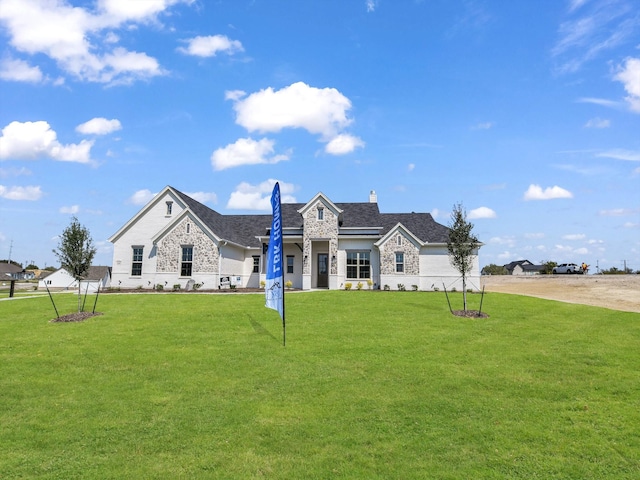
618 212
371 5
73 36
603 102
141 197
258 197
535 192
629 75
343 144
246 151
482 212
204 197
99 126
598 123
20 71
584 37
318 110
411 167
31 193
73 209
31 140
620 154
535 235
14 172
506 240
574 236
211 45
483 126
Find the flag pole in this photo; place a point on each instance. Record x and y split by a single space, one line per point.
274 285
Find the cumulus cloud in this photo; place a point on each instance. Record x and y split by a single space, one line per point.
246 151
73 209
598 123
99 126
343 144
535 192
20 71
204 197
371 5
141 197
31 193
320 111
258 197
32 140
482 212
210 46
82 41
629 75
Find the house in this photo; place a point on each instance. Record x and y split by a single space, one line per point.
10 271
176 241
523 267
61 279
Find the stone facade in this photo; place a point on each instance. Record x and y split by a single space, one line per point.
187 233
316 229
388 255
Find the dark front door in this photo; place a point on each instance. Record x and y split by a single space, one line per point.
323 270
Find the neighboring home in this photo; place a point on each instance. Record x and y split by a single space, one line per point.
523 267
97 276
10 271
175 240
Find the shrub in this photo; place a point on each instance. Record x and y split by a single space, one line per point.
159 287
262 283
414 288
359 286
369 283
401 287
348 285
288 284
176 287
387 288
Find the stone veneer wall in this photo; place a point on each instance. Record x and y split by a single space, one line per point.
320 229
388 256
205 252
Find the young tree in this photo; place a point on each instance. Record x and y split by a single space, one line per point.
76 251
462 245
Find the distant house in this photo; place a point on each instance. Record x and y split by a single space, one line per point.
523 267
175 239
9 271
98 276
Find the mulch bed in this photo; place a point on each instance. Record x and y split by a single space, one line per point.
469 314
75 317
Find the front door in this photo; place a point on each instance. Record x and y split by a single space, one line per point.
323 270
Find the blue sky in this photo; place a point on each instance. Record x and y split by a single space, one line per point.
527 113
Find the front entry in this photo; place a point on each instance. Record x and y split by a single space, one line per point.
323 270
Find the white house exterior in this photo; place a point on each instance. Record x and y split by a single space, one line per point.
175 240
97 277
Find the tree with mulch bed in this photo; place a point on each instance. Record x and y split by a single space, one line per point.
75 253
462 245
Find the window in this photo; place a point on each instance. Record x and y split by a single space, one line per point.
290 259
187 261
320 213
136 262
399 262
256 264
169 207
399 240
358 265
188 228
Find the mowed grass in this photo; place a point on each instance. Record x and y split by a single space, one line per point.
371 385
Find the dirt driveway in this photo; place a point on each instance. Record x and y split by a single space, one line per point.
619 292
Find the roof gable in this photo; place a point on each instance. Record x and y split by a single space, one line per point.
321 197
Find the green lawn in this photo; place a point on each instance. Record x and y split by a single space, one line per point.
371 385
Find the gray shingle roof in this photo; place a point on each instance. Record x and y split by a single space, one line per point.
243 229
